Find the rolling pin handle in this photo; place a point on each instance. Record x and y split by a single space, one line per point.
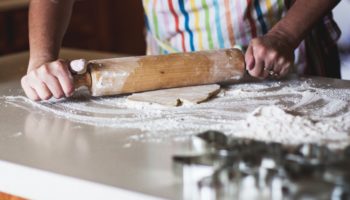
81 76
81 80
78 66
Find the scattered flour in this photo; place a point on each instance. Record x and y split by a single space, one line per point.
273 122
291 112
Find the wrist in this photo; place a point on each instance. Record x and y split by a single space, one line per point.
285 36
36 61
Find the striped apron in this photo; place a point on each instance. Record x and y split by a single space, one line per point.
191 25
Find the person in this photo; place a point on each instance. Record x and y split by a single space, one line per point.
275 33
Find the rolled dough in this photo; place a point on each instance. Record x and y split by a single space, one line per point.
178 96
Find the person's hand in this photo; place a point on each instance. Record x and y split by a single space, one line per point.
269 55
50 79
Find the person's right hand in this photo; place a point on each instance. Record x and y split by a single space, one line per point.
50 79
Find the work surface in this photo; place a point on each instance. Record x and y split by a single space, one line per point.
103 148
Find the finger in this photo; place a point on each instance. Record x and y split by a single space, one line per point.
50 81
266 73
30 92
268 67
66 68
258 69
278 67
249 58
60 69
54 86
40 88
285 69
270 60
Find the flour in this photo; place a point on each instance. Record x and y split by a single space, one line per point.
291 112
273 122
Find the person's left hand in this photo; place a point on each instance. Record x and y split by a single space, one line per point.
269 55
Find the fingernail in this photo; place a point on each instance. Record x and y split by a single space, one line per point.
69 94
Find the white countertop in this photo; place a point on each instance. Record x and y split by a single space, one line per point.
43 156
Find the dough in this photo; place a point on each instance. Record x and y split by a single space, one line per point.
178 96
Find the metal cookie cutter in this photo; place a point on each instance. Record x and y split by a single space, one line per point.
192 168
209 151
225 167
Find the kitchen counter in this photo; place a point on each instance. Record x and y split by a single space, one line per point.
43 156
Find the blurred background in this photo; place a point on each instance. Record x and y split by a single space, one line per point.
342 16
103 25
116 26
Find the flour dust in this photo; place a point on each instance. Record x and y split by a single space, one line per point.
290 112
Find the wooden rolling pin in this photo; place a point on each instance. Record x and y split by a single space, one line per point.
143 73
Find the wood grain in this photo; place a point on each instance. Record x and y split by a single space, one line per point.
145 73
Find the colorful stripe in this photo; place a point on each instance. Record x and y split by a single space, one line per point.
260 16
164 16
250 19
196 24
190 25
147 23
218 24
280 4
147 15
165 20
229 23
207 24
269 10
187 23
155 19
172 10
166 47
241 23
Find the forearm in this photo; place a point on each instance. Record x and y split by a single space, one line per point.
300 18
48 21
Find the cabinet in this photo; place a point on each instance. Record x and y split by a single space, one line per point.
13 30
104 25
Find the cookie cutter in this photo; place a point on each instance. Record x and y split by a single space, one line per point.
236 168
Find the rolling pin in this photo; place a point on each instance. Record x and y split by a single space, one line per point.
143 73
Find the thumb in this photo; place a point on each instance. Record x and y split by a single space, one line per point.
249 58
